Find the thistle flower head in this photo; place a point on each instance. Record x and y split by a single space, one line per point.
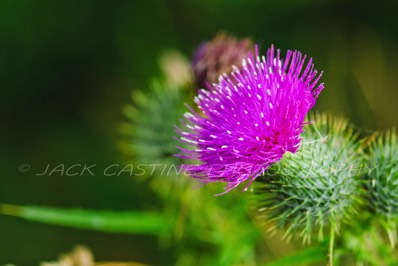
217 56
316 187
251 118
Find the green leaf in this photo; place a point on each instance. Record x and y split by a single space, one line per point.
129 222
302 257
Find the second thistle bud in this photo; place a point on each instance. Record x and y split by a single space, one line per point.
382 182
217 56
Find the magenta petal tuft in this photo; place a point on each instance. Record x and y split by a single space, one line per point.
250 119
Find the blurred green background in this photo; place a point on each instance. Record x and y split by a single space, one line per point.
68 67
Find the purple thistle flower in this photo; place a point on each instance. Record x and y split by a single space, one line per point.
251 118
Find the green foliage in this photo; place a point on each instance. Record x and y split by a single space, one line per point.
365 241
213 230
316 187
306 256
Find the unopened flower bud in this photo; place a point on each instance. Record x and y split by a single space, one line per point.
216 57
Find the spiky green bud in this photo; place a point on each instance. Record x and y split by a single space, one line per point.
149 130
319 185
382 181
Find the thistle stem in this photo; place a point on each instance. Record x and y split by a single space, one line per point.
331 245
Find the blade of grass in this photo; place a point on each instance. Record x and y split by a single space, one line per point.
128 222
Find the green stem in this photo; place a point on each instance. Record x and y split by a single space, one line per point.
331 245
